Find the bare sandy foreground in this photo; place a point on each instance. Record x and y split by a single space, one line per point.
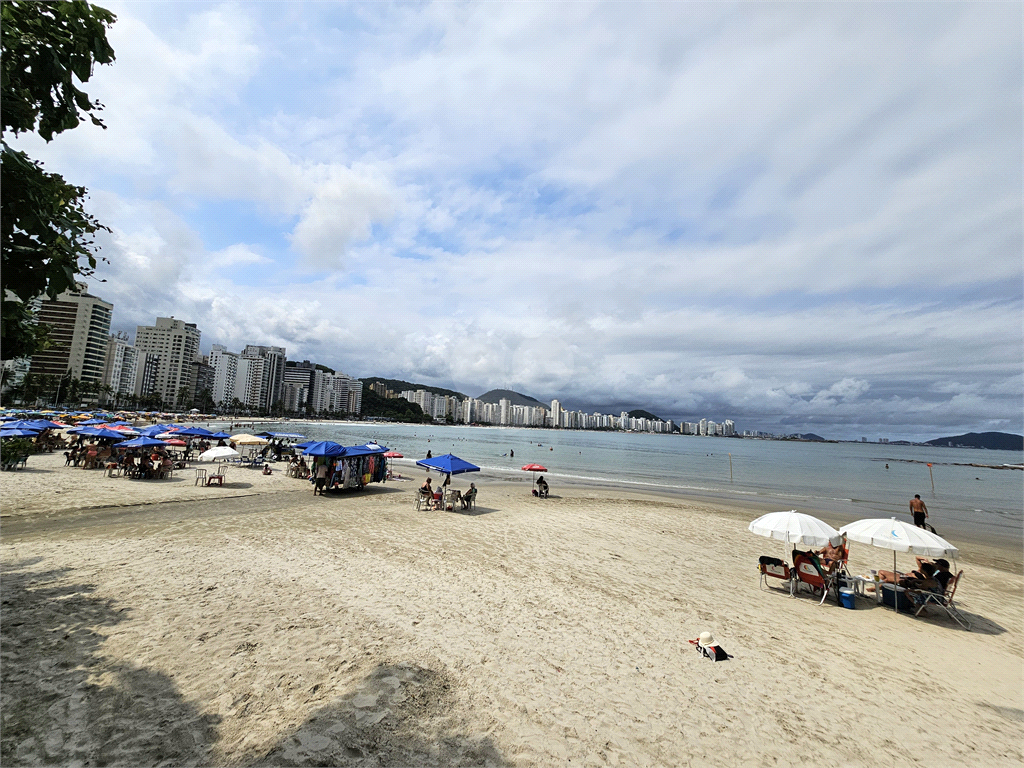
259 625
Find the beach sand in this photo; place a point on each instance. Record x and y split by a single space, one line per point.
160 623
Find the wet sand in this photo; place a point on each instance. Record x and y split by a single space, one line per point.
161 623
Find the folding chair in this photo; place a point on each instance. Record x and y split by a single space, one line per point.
774 568
922 599
810 574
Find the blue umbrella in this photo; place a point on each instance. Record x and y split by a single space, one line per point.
153 431
284 435
140 442
325 448
194 432
305 444
220 435
16 432
99 432
449 464
91 422
23 424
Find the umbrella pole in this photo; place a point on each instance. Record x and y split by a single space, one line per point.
895 590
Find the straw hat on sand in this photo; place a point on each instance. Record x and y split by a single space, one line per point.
706 638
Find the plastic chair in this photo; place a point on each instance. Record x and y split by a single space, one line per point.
200 476
922 599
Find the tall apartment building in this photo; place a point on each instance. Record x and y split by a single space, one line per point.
177 343
556 413
340 394
120 369
303 383
200 378
271 370
225 372
80 327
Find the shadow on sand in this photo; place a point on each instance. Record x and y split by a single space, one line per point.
399 714
64 702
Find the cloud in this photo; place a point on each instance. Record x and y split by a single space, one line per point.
797 215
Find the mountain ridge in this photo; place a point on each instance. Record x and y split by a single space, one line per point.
1000 441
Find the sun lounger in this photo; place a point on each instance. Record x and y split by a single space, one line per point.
809 573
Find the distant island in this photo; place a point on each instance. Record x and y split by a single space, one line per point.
997 441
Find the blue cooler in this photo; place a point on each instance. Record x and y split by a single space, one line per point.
847 597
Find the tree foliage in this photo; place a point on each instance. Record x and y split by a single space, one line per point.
46 231
46 46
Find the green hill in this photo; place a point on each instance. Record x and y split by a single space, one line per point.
398 386
497 395
639 413
1000 441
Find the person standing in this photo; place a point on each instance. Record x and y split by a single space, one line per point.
918 510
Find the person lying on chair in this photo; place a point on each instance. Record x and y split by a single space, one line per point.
919 579
829 554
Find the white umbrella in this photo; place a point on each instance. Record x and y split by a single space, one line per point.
899 536
220 452
795 528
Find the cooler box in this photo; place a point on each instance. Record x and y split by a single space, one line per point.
846 598
888 597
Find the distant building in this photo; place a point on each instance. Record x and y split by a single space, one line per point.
177 344
79 326
120 368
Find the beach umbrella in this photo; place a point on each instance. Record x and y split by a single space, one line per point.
534 468
18 432
155 429
194 432
175 442
91 422
393 455
301 446
899 536
220 435
219 454
140 442
23 424
106 434
245 439
282 435
795 528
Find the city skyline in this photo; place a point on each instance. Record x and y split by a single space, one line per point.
805 217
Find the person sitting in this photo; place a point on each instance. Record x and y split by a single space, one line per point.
267 470
303 470
469 496
426 490
830 554
922 578
542 487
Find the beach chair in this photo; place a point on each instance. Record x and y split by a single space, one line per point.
469 499
809 573
424 499
772 567
923 598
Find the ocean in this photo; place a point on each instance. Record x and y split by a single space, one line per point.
848 480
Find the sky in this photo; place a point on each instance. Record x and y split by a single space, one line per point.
805 217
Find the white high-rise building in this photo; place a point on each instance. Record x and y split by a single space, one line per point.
120 367
225 373
177 343
556 413
268 392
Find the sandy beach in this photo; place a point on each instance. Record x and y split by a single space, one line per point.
161 623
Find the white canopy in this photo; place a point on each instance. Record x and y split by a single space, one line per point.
795 528
220 452
890 533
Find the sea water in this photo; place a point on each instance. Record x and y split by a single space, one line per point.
851 480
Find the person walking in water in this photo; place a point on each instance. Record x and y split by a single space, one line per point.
919 510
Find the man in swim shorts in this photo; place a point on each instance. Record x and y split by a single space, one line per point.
919 510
